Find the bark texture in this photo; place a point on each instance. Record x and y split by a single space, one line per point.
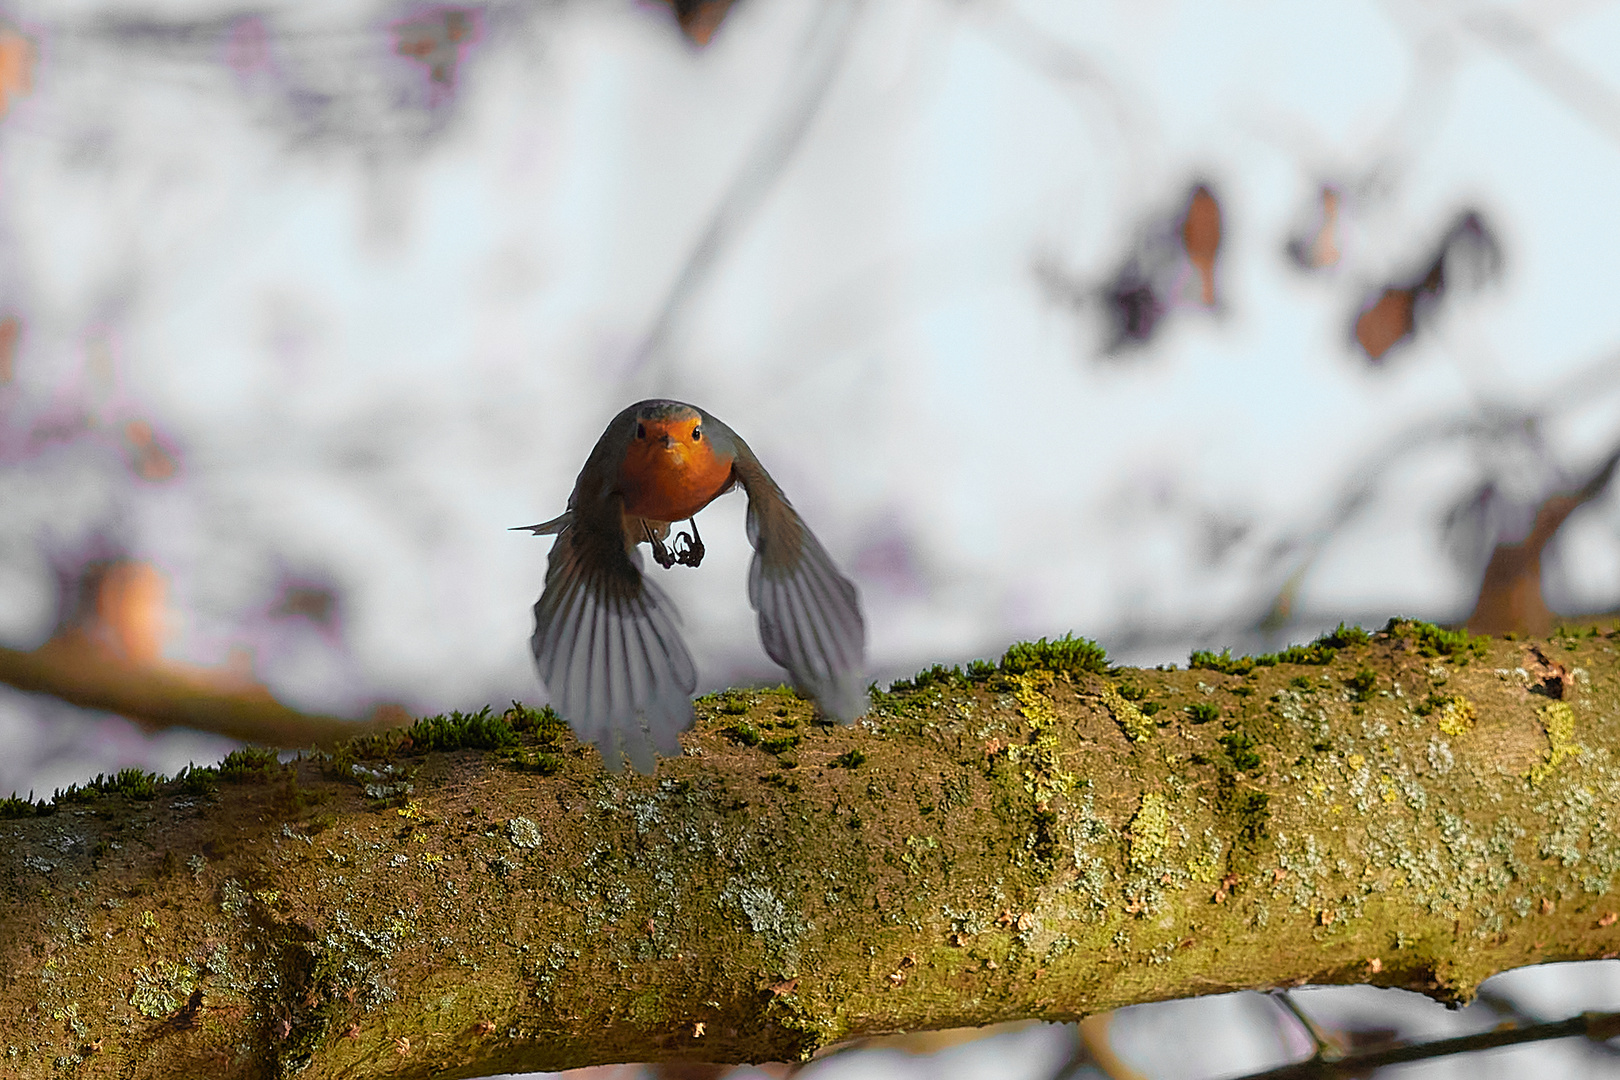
1036 840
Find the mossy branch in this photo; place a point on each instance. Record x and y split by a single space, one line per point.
1044 837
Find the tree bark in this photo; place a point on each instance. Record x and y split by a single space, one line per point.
1025 843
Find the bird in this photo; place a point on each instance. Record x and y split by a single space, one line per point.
607 642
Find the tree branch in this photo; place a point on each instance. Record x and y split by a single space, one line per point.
74 667
1046 838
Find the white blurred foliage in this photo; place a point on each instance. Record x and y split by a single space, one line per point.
380 320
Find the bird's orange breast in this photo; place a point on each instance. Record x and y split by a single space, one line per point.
671 482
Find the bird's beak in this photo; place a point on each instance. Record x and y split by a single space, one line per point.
668 440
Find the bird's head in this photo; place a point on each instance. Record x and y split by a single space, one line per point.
673 432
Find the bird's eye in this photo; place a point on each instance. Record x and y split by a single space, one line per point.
641 431
697 433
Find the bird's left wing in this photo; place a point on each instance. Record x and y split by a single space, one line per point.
809 613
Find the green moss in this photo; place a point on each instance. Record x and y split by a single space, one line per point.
1240 748
1319 652
742 733
938 675
135 783
527 759
131 783
195 780
849 759
481 730
732 703
545 733
21 808
73 793
1067 655
1315 654
780 743
1228 664
1343 637
543 723
251 763
1434 641
1203 712
1362 683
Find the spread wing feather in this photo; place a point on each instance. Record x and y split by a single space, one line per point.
809 614
608 647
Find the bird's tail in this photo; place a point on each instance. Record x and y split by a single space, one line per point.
547 528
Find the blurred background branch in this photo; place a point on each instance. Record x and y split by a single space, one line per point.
76 669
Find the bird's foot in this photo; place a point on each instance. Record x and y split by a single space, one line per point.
661 554
692 553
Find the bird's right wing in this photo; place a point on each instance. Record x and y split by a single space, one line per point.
608 646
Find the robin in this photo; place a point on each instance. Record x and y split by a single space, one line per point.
606 640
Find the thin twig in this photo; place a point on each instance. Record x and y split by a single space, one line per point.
1078 1058
1598 1026
1327 1048
801 100
1586 94
1099 1048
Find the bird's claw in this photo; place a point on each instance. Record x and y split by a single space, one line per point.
692 553
688 555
